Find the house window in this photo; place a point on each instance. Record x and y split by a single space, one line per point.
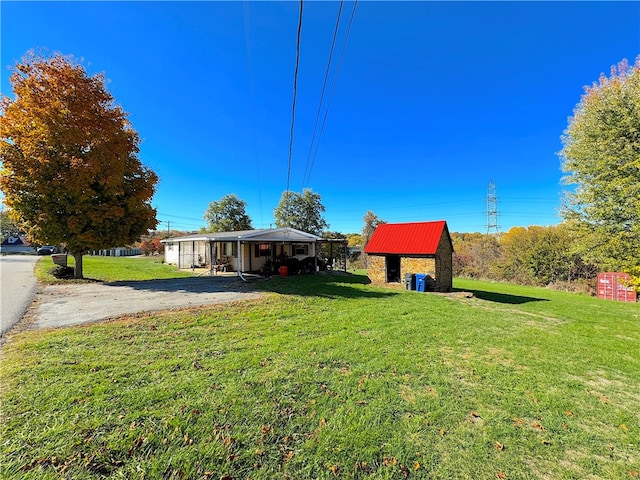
301 249
263 250
229 249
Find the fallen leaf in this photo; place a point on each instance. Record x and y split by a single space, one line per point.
564 425
537 425
633 473
501 476
545 442
498 445
624 427
138 441
416 466
474 417
334 469
569 412
443 432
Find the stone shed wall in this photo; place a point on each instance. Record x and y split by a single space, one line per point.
376 268
444 266
439 268
418 265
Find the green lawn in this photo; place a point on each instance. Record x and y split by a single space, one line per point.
113 269
328 377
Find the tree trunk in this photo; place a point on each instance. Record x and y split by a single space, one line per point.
77 273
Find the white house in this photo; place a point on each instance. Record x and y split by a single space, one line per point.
260 250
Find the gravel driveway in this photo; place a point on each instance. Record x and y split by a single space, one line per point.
66 305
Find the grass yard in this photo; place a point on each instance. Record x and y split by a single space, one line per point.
328 377
112 269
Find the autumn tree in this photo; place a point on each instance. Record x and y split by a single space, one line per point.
354 239
475 255
151 246
371 222
302 211
227 215
540 255
601 157
70 168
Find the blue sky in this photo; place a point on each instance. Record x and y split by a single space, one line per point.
432 101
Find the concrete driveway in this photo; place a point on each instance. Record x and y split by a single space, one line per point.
18 286
75 304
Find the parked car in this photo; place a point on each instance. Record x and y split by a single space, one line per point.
46 250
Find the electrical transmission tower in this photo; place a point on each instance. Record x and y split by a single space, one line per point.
492 208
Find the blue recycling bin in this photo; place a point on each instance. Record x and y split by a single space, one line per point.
421 281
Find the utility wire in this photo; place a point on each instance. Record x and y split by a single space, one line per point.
324 85
333 88
293 106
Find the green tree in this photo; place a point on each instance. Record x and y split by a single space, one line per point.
227 215
301 211
70 168
601 159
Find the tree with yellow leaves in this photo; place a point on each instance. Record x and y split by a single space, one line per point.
70 168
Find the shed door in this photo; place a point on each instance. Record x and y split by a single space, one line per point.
393 268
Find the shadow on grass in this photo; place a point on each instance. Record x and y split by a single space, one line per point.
327 285
501 297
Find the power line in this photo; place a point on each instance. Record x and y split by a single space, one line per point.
177 216
333 88
324 85
293 106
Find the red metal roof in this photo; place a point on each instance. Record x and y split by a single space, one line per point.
418 238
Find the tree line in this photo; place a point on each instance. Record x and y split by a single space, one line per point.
71 176
535 255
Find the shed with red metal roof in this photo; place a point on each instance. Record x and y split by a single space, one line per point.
396 251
